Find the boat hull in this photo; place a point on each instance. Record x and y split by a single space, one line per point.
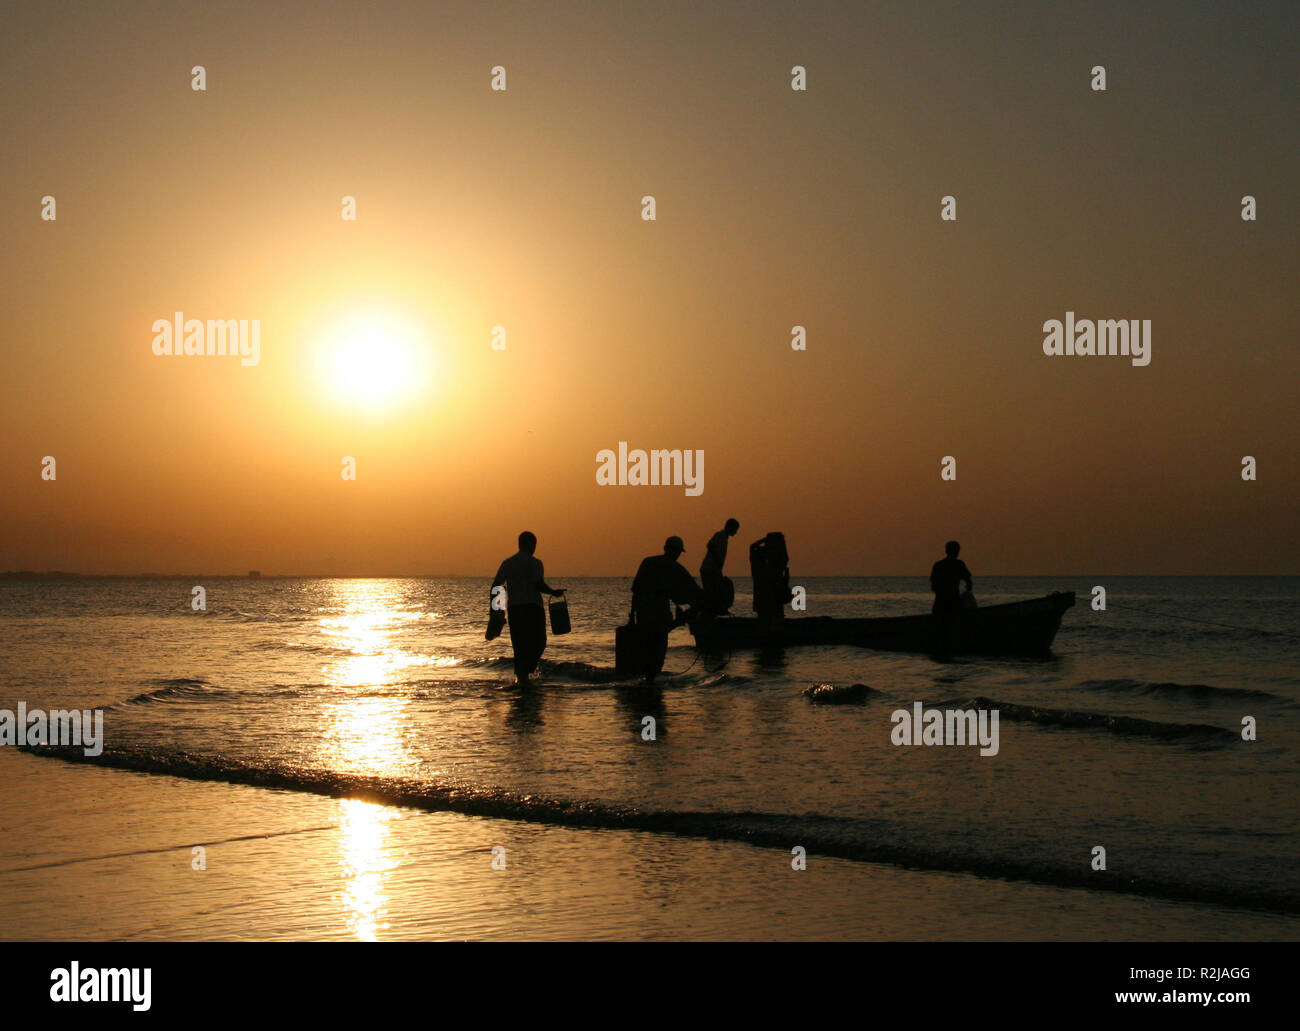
1016 628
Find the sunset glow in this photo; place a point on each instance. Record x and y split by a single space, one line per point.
373 360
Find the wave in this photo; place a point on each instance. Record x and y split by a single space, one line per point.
315 649
1128 726
830 694
270 616
716 678
174 689
862 840
583 671
1175 634
488 662
1200 692
556 676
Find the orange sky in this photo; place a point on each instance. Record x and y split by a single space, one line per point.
775 208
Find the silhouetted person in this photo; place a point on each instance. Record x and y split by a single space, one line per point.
946 577
720 590
660 581
525 584
769 564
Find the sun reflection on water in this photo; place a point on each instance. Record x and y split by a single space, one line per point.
366 730
374 630
364 862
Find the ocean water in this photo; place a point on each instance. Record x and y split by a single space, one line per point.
1128 737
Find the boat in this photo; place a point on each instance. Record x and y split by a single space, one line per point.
1015 628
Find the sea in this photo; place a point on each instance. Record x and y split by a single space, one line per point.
350 758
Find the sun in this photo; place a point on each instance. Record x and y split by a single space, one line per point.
373 360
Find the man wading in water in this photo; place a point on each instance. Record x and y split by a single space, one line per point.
660 581
525 584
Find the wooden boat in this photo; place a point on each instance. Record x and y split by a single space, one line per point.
1016 628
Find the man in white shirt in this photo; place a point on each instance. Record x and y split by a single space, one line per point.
523 578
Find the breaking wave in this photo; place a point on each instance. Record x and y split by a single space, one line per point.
174 689
863 840
1199 692
1128 726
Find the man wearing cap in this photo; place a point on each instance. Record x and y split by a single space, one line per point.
660 581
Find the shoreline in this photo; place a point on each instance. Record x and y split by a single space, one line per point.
307 867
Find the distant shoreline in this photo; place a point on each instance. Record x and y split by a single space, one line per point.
57 575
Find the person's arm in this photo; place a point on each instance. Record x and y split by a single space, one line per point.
970 584
698 597
686 590
542 585
934 569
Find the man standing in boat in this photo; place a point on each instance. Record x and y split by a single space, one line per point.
946 578
720 591
660 581
522 576
769 565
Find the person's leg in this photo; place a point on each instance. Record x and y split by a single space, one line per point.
656 651
711 582
515 622
537 639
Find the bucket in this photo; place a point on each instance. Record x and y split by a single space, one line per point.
628 650
559 617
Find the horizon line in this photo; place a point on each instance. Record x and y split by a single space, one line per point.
29 574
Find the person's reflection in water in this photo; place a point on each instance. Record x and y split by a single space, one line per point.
524 714
639 700
771 658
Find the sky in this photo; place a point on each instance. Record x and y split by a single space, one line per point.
522 208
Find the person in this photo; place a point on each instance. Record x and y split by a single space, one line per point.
525 583
719 589
769 564
946 578
660 581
